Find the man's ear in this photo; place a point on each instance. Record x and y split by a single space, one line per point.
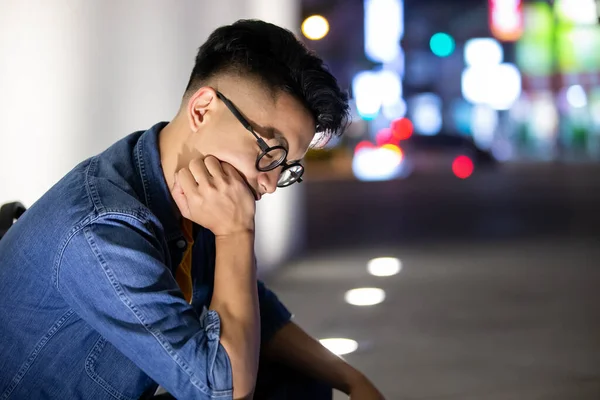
198 106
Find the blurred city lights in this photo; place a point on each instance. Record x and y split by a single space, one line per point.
484 122
506 19
364 296
576 96
394 148
442 44
384 136
384 266
340 346
498 86
579 12
390 87
427 113
384 27
377 164
544 116
315 27
395 110
402 129
365 87
374 89
483 52
463 167
363 145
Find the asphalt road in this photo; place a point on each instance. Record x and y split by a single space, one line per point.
499 295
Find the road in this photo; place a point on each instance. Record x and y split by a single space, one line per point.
498 297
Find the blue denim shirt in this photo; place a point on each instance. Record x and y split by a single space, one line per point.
90 308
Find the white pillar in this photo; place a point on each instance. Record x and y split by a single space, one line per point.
77 75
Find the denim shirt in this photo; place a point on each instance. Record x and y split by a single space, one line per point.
90 308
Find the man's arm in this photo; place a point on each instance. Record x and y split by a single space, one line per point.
112 273
292 346
235 299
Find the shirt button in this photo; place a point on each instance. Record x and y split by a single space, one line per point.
182 244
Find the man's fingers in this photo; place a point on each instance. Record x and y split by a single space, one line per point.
187 181
230 170
199 172
213 166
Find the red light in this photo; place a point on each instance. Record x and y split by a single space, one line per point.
462 167
363 145
402 129
384 136
506 19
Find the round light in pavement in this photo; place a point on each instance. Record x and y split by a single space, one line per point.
364 296
384 266
340 346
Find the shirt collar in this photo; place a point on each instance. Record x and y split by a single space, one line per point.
157 194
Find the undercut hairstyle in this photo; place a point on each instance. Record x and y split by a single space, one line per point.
276 58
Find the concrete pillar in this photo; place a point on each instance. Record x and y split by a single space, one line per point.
77 75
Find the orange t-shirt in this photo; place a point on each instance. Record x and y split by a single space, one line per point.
183 275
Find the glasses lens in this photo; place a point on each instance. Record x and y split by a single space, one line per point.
272 158
290 175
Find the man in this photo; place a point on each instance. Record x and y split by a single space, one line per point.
137 269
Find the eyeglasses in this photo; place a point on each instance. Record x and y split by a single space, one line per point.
270 157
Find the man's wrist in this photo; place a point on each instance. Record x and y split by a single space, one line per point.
351 378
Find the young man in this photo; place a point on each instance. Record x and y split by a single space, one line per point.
137 269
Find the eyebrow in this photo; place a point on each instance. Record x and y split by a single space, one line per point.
276 133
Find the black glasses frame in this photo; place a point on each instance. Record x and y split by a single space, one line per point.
264 147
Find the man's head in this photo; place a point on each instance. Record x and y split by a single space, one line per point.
277 85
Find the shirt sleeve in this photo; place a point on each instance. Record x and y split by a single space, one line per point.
273 314
113 274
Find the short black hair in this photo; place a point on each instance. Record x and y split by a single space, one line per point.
277 58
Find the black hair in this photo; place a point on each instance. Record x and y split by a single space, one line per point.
278 59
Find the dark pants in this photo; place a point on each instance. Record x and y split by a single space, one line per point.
278 382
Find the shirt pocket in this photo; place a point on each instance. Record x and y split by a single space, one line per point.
116 373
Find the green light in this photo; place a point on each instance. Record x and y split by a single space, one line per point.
442 44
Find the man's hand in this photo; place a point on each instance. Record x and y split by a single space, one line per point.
214 195
363 389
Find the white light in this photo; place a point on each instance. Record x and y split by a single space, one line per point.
384 27
427 113
373 89
364 296
384 266
339 346
483 52
315 27
378 164
484 121
544 117
580 12
365 87
576 96
394 111
498 86
595 112
390 87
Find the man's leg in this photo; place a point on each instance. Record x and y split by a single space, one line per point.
279 382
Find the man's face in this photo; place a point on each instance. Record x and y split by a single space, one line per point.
279 120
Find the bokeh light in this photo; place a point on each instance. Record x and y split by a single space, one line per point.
402 129
384 266
463 167
442 44
576 96
364 296
340 346
315 27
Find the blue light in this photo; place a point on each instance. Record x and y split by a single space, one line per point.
442 44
